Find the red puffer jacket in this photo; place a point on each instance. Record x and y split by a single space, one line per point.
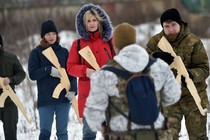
76 65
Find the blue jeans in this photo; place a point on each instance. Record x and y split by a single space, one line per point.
88 134
46 115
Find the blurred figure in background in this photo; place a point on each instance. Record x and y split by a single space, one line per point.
13 74
94 27
48 77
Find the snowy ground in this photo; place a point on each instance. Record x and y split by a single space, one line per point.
75 130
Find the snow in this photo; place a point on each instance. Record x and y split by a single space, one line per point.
31 131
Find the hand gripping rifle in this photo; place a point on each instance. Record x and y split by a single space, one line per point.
8 91
178 64
64 80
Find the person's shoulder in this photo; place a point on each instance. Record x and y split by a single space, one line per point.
155 38
193 36
8 53
64 49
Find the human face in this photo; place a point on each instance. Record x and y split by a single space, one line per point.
92 23
171 30
50 37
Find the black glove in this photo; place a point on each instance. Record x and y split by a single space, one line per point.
167 57
190 75
184 84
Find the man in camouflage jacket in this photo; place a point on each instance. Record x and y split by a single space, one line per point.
192 52
13 74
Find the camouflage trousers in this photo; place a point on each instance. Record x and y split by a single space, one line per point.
140 135
194 121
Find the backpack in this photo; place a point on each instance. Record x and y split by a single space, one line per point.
140 93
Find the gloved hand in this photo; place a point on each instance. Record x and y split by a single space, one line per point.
165 56
184 84
70 95
55 72
190 75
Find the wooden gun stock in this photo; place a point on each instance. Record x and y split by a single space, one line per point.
88 55
8 91
75 106
64 80
178 64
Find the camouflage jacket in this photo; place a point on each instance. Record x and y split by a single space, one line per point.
192 52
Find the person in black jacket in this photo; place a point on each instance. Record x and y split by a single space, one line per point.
13 74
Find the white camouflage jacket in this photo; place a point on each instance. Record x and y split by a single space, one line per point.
133 58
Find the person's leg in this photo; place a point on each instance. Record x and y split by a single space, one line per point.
62 115
174 115
10 120
196 125
46 114
87 133
195 122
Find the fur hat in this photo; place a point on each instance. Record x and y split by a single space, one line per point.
48 26
124 34
171 14
1 41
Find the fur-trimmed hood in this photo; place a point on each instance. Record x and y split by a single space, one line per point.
106 23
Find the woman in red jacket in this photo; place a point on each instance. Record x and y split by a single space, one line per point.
95 30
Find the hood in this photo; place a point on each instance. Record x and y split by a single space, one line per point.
133 58
106 23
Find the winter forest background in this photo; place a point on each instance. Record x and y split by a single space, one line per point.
20 22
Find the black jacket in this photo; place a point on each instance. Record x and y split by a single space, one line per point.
10 67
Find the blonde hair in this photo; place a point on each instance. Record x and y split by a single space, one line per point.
95 14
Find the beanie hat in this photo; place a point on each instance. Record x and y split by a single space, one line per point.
171 14
48 26
1 41
124 34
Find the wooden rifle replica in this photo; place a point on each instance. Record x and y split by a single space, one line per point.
178 64
8 92
88 55
64 80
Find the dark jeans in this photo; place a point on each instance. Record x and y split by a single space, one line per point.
9 118
46 115
88 134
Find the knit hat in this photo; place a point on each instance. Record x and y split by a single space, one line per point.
1 41
48 26
124 34
171 14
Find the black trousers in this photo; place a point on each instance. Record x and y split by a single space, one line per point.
9 117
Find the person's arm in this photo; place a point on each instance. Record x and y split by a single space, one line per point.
35 70
152 43
18 72
165 83
199 63
103 85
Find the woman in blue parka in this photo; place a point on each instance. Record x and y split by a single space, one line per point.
48 77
